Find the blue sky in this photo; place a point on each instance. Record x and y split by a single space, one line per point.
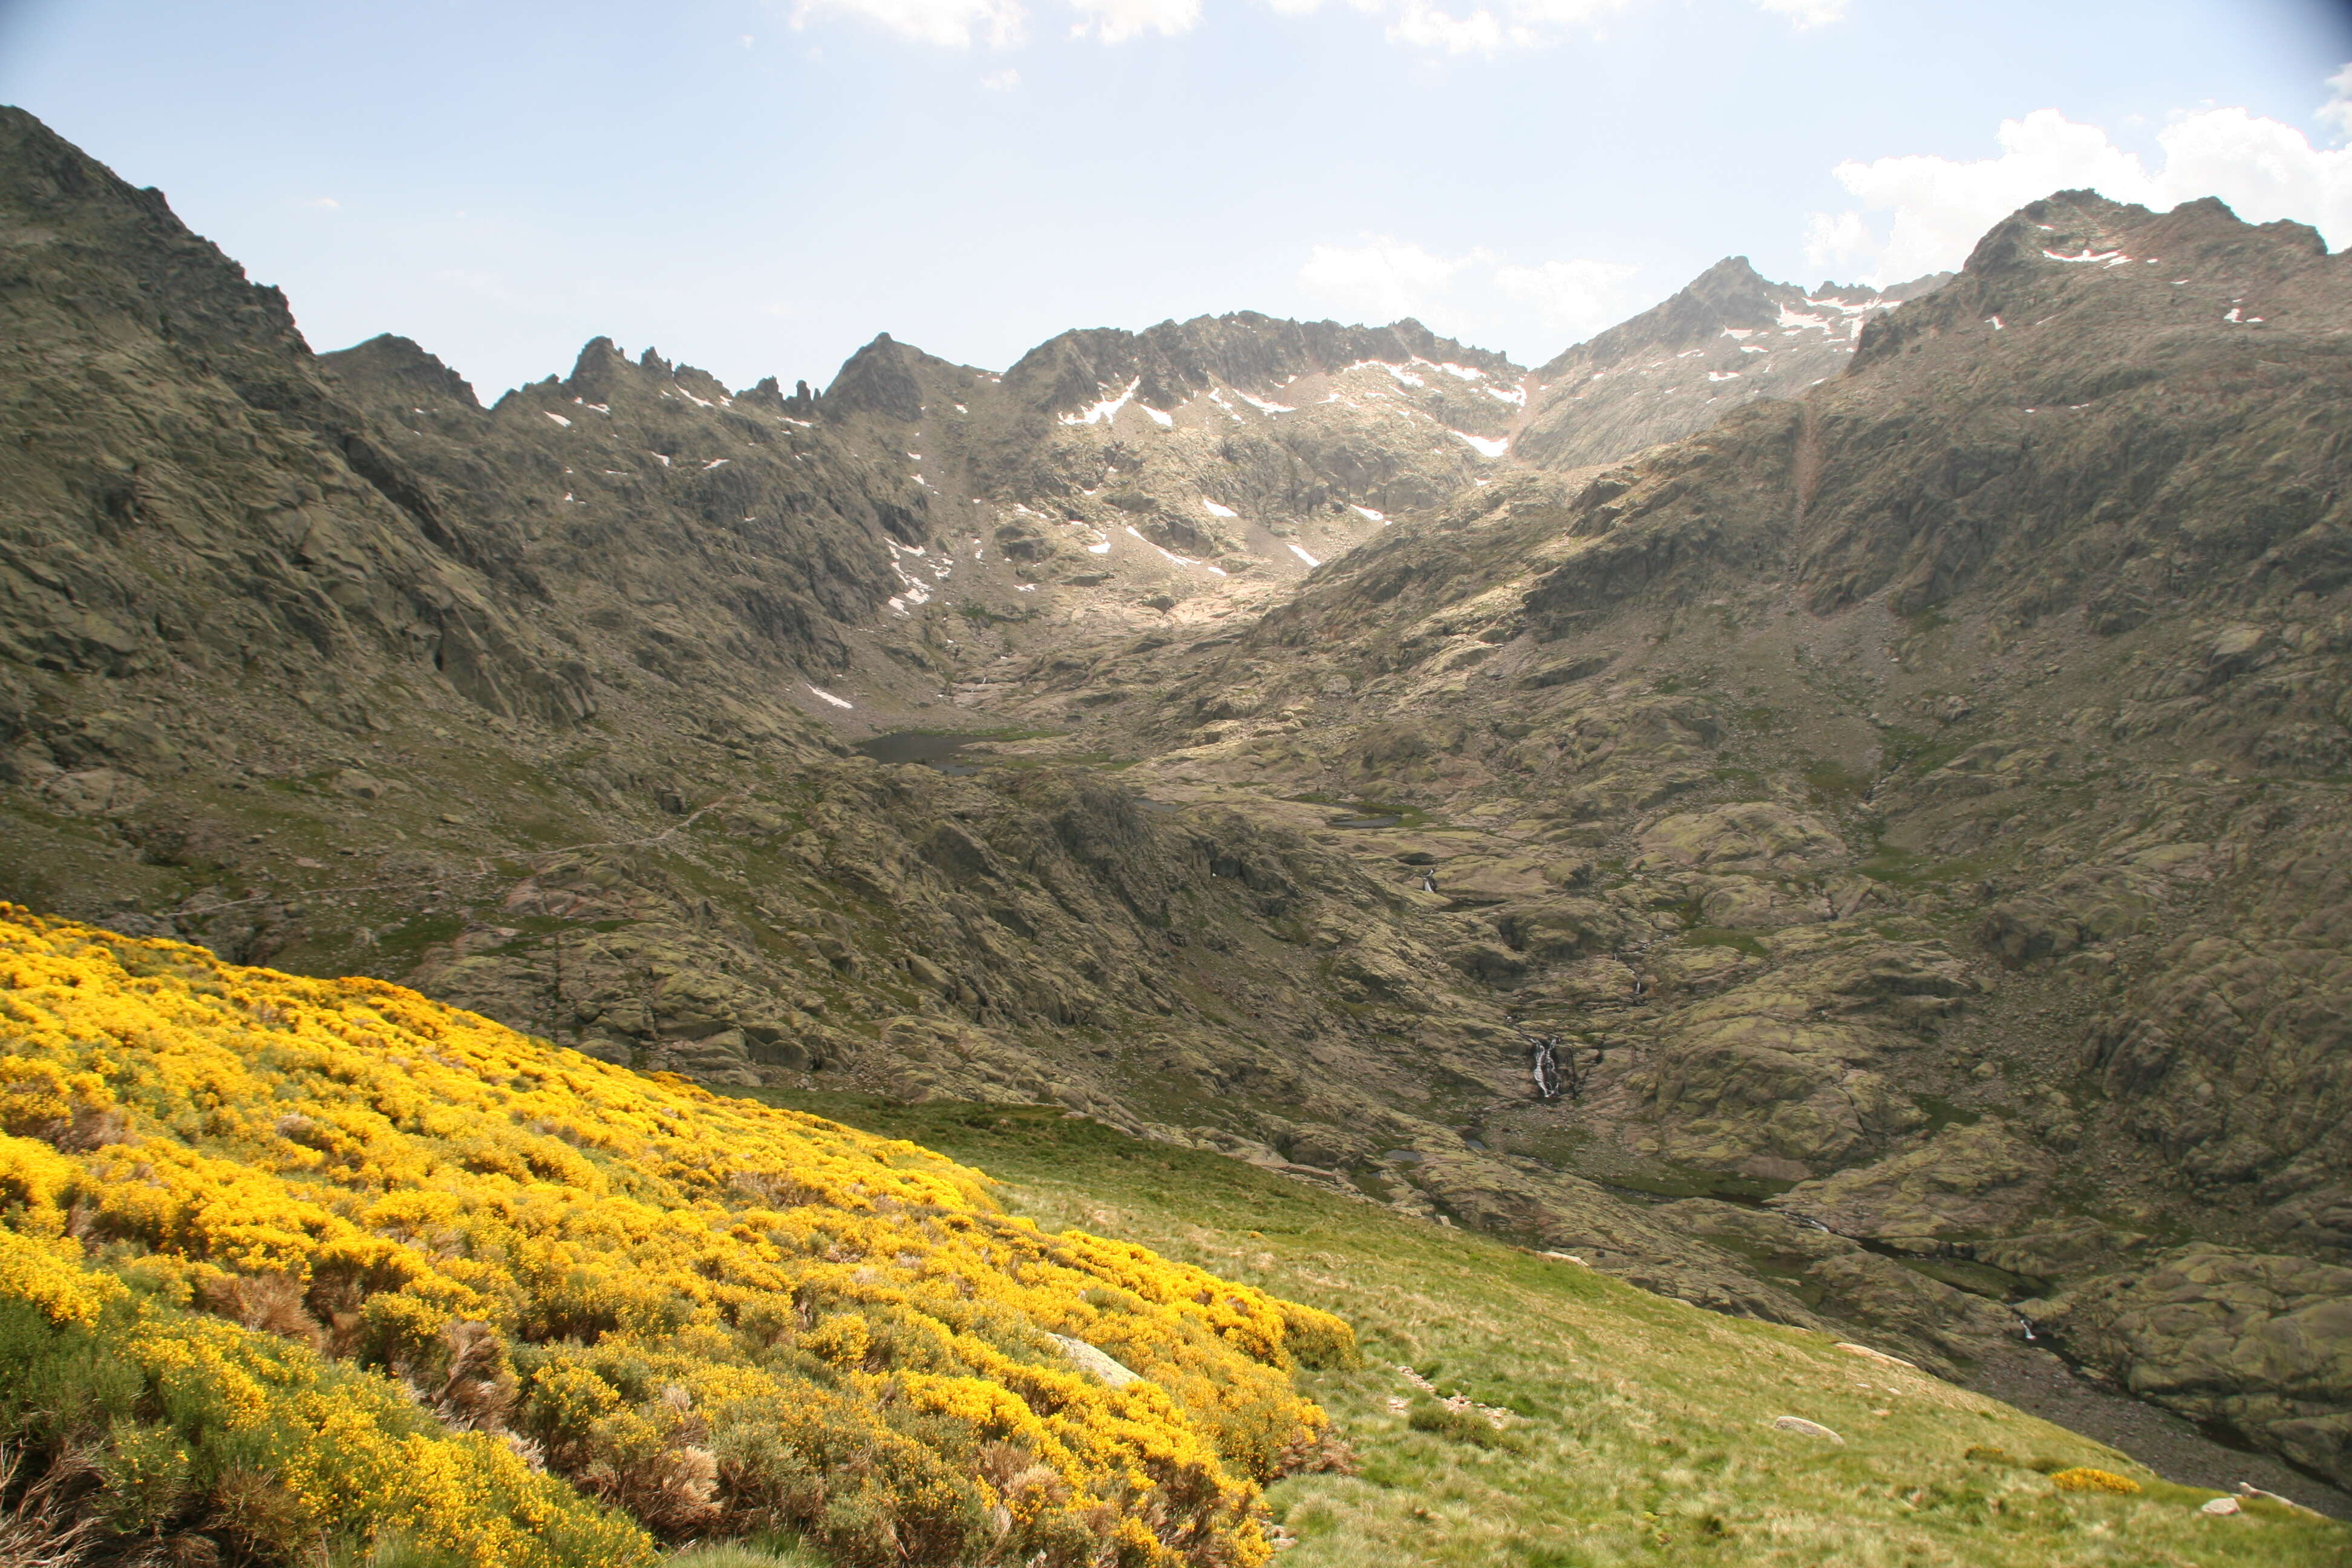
758 186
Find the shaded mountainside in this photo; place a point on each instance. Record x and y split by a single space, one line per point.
1915 803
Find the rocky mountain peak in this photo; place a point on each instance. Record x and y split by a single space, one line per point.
1174 360
1728 336
882 379
396 366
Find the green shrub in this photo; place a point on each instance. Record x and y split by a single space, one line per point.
1460 1425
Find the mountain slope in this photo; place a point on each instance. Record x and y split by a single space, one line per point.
714 1318
1945 768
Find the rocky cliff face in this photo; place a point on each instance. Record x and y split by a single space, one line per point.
1910 805
1726 338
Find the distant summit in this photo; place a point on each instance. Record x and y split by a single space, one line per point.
1728 336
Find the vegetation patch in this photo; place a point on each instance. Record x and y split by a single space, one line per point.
298 1258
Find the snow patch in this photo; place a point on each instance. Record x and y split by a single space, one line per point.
1367 513
1304 556
1216 510
2105 257
1164 421
1491 447
714 462
1262 406
1107 411
559 418
822 695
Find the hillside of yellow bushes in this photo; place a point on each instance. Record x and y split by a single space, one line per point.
291 1266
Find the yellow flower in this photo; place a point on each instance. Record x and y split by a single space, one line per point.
713 1313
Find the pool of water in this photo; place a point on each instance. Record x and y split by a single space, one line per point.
916 746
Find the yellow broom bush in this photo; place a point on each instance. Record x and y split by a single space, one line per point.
719 1317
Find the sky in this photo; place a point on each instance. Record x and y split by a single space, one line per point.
759 186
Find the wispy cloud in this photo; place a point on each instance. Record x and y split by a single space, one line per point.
1575 296
1384 278
1490 29
1115 21
2337 110
947 23
1807 12
1380 280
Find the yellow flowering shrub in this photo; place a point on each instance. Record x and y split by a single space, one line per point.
2082 1478
719 1316
159 1419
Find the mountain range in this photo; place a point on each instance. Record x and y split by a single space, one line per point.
1826 804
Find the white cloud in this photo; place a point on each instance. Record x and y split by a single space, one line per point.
1472 294
1837 241
1578 297
1115 21
1006 80
2337 110
1424 26
1489 29
1807 12
1938 207
949 24
1381 279
324 203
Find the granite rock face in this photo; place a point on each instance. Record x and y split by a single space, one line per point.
2259 1341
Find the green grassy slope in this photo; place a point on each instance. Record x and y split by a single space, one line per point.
1638 1430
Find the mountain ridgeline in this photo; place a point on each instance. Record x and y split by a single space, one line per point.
1885 749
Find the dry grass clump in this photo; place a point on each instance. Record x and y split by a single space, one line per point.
717 1318
2084 1478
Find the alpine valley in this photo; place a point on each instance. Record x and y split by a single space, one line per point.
1826 806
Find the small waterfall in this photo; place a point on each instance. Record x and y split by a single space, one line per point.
1543 1052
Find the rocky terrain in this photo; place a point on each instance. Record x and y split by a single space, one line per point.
1913 803
1729 338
